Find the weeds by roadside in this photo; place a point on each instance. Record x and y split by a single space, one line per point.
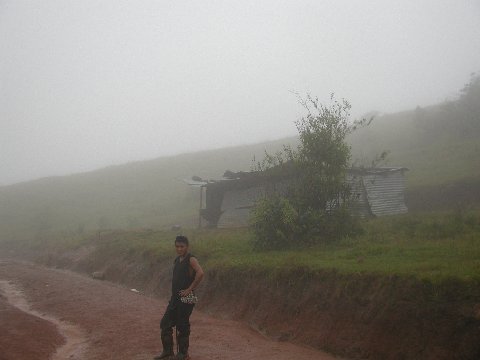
432 247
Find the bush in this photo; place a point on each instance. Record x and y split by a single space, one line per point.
275 223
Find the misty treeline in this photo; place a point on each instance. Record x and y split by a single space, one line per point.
459 117
314 206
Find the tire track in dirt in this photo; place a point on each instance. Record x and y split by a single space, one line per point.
75 341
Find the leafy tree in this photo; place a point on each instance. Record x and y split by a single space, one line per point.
314 206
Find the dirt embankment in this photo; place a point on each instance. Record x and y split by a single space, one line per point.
356 316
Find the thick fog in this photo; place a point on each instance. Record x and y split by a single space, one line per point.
85 84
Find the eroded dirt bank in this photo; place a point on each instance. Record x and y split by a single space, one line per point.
121 324
358 316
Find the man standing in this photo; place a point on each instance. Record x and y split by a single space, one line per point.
187 274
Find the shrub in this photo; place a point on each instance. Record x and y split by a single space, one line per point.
275 223
314 208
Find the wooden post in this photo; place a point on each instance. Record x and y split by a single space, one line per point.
200 210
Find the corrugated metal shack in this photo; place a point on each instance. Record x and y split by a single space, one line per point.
378 192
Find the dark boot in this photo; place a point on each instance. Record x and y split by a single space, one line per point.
183 343
167 342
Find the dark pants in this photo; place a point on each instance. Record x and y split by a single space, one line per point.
178 315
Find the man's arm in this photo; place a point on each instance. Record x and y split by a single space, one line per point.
198 277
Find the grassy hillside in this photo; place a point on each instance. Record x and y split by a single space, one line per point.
439 144
149 194
433 156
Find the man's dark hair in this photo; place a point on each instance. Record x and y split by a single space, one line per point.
181 239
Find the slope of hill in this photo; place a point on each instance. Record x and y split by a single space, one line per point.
439 144
147 194
436 152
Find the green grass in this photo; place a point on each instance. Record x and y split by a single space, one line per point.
433 260
434 247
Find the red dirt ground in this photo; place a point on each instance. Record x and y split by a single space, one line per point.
24 336
116 322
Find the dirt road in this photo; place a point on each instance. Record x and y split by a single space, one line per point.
47 313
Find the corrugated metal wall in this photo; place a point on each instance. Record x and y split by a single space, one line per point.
385 191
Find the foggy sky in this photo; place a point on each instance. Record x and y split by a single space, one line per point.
85 84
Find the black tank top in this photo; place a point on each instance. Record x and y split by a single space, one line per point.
183 275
